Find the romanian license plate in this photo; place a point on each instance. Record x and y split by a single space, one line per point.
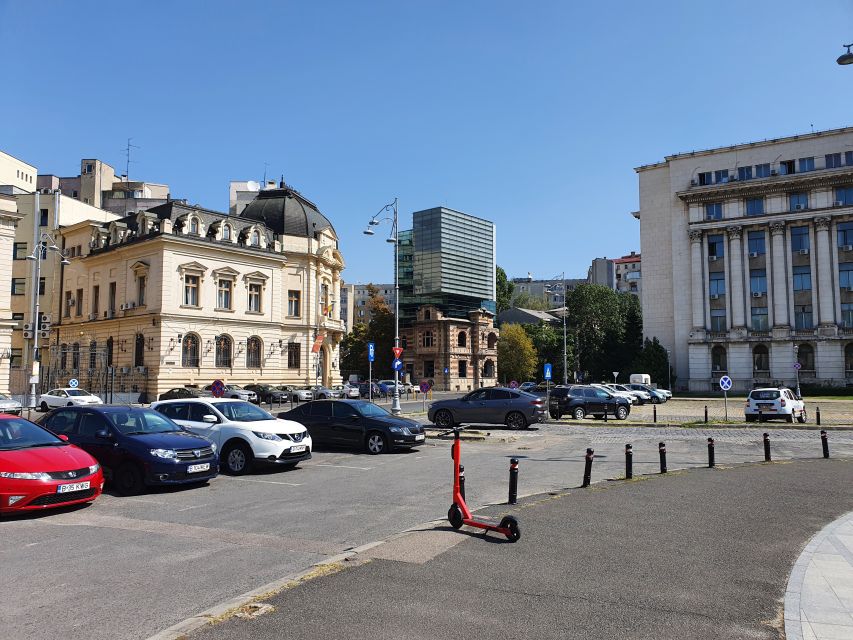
195 468
419 437
68 488
298 448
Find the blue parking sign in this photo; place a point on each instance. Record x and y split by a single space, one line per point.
371 351
547 371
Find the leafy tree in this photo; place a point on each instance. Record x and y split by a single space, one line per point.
547 341
516 355
354 351
596 316
504 288
652 359
381 331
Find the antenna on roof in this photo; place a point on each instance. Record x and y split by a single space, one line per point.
127 168
281 184
265 173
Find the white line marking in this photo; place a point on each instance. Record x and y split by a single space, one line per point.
195 506
343 466
289 484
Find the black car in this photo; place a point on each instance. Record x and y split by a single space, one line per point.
135 446
369 389
180 393
356 423
267 393
580 401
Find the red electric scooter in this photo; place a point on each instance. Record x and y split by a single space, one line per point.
458 514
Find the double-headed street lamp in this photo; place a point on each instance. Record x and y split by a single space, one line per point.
39 253
846 58
549 288
393 239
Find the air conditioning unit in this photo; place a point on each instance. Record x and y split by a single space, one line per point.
714 296
121 307
712 258
93 316
124 370
838 203
754 254
733 178
28 334
44 334
71 302
141 369
131 305
756 294
109 314
803 252
28 326
798 207
847 247
725 180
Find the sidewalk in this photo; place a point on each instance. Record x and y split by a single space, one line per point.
698 554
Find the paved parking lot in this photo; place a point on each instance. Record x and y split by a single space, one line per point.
153 560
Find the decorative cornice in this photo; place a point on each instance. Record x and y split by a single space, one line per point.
695 235
767 186
777 228
822 223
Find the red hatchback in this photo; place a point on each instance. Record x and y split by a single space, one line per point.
39 470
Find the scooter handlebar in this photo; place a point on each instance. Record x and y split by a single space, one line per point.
449 431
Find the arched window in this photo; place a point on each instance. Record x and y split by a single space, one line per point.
493 341
63 356
462 339
190 351
760 359
426 339
226 232
194 225
139 351
253 353
110 351
805 356
719 362
488 369
256 239
848 358
93 354
224 351
75 355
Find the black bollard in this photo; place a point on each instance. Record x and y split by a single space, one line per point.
824 442
513 481
662 453
817 415
766 447
462 480
629 462
587 469
760 416
710 453
706 414
654 413
605 413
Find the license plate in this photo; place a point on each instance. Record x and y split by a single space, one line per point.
68 488
195 468
298 448
419 437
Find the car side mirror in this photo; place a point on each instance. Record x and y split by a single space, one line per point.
62 437
354 418
209 419
103 434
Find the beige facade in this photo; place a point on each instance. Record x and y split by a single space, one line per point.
9 218
467 350
748 261
16 175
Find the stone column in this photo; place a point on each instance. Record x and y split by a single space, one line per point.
826 303
697 292
736 277
780 281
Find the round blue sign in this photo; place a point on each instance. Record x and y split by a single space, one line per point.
73 383
797 365
425 386
397 365
217 388
725 383
513 384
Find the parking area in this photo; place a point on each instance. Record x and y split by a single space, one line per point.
128 567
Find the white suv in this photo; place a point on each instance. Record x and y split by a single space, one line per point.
772 403
243 432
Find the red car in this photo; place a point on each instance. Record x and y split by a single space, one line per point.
39 470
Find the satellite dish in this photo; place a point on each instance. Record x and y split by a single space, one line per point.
251 185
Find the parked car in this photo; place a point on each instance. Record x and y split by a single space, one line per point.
321 393
181 392
774 404
630 397
642 396
349 392
303 395
657 396
39 469
66 397
580 401
387 387
369 389
10 406
268 393
527 386
496 405
244 433
236 392
136 446
356 423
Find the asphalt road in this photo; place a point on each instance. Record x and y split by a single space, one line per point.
129 567
704 554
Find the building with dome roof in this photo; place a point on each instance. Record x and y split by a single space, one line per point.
182 295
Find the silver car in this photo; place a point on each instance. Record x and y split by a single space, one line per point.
236 392
10 405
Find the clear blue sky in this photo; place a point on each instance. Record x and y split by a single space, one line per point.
530 114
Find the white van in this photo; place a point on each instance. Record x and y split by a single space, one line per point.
641 378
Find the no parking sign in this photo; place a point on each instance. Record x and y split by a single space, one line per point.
725 383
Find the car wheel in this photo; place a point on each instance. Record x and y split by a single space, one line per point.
554 414
578 413
443 419
622 412
322 396
70 404
802 417
236 458
789 417
655 400
750 418
44 407
127 480
454 516
516 421
509 522
375 443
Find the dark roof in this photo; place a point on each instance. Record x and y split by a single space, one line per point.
287 212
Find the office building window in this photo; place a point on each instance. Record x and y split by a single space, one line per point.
744 173
96 299
758 281
16 359
42 217
294 355
224 351
255 297
848 158
93 354
705 178
68 303
18 286
715 245
845 235
191 284
833 160
847 318
718 320
223 293
845 275
714 211
762 170
717 283
426 339
429 368
294 303
42 284
112 297
17 317
760 359
806 164
803 317
759 319
799 238
719 361
754 206
19 251
78 303
254 347
843 195
802 278
786 167
755 242
798 201
805 356
721 175
190 348
463 368
140 290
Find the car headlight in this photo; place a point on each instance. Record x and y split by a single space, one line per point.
404 430
24 476
170 454
213 446
94 468
266 436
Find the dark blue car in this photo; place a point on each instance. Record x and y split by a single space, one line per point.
135 446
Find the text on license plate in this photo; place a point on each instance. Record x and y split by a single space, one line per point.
298 448
68 488
195 468
419 437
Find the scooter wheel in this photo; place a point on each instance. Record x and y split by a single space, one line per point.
509 522
454 515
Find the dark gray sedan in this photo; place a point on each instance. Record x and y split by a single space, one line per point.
512 407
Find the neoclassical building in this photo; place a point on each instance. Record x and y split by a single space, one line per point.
748 261
180 295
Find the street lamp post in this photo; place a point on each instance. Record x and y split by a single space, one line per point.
394 239
846 58
797 365
564 313
38 254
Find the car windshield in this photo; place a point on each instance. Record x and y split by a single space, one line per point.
242 412
141 421
767 394
369 410
17 433
77 392
3 396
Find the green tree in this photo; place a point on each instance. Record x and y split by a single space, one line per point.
354 351
380 331
652 359
516 355
547 342
504 288
596 316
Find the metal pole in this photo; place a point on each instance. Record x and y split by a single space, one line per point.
668 372
395 406
565 312
370 381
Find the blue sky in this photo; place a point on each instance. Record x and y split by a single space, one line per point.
530 114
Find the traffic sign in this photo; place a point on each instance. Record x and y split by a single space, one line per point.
446 370
371 351
513 384
398 351
217 388
547 371
797 366
725 383
73 383
425 386
397 365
